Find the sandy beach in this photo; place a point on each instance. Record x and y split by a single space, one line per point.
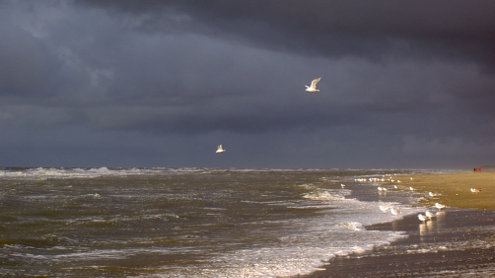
458 242
453 189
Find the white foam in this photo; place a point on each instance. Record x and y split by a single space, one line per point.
307 186
352 225
94 195
302 253
310 241
336 232
327 194
60 173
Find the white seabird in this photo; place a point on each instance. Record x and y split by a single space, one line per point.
474 190
394 211
312 88
439 206
431 194
429 214
421 217
220 149
383 208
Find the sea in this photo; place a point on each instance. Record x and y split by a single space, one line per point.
191 222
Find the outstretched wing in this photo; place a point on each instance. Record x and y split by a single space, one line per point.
315 81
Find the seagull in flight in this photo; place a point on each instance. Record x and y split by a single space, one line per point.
312 88
220 149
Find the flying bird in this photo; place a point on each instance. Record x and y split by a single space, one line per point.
312 88
220 149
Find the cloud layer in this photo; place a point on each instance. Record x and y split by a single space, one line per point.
160 83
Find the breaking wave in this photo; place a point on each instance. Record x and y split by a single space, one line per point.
42 172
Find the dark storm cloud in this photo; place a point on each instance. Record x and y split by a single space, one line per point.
443 28
145 82
23 61
457 33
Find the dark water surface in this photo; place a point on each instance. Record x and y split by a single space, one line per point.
186 222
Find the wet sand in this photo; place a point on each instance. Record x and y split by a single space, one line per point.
459 242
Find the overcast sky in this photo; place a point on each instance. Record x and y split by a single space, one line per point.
405 84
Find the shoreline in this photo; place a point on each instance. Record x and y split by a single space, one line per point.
459 241
445 247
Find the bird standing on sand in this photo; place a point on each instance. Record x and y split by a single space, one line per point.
431 194
312 88
474 190
220 149
421 217
439 206
394 211
383 208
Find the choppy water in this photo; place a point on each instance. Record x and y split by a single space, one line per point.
162 222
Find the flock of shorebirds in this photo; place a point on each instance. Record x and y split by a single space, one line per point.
309 89
427 216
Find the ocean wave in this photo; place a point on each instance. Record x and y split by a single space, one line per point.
327 195
54 173
351 225
289 241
